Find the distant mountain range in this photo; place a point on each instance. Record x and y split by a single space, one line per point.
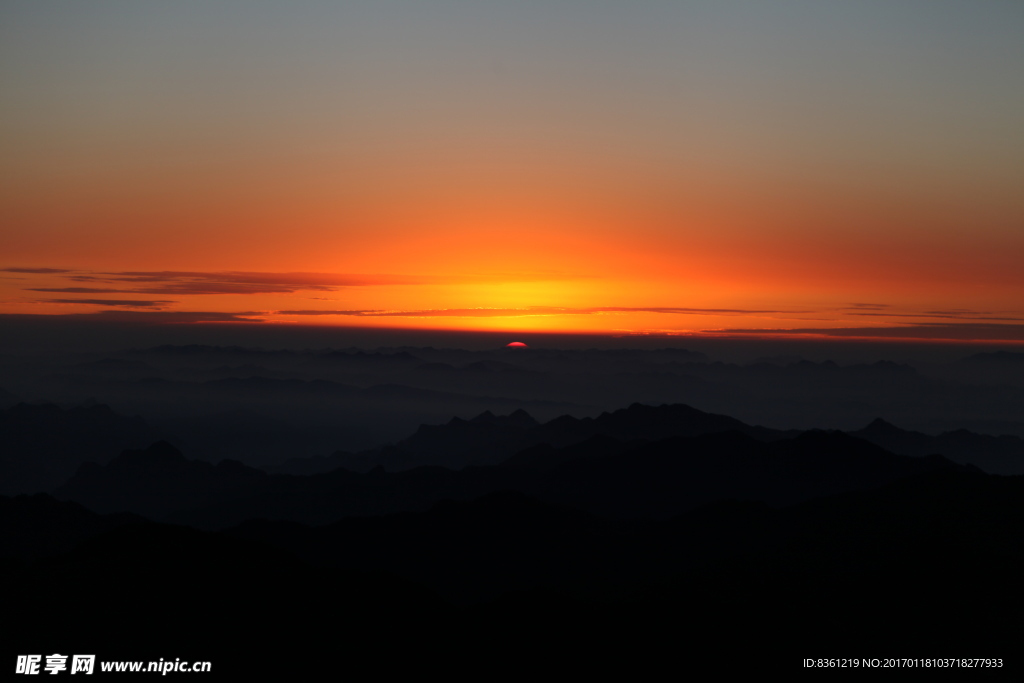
291 403
488 439
993 454
43 446
604 465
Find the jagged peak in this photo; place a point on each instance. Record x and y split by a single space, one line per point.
880 426
522 417
157 451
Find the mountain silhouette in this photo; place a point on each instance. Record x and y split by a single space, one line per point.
636 479
627 533
41 446
159 480
994 454
488 439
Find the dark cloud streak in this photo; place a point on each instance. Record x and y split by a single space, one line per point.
932 331
130 303
531 311
78 290
865 306
952 316
183 283
170 317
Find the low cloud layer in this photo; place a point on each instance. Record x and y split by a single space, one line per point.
170 317
936 331
530 311
188 283
953 315
127 303
36 271
150 293
867 307
75 290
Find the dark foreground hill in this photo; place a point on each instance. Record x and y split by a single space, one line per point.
621 555
924 567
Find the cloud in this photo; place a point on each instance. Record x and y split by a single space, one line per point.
529 311
349 313
38 271
115 316
440 313
78 290
191 283
959 311
182 283
878 307
687 311
966 315
169 317
130 303
929 331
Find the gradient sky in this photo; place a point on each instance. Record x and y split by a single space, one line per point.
785 166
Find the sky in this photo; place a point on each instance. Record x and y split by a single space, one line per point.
826 168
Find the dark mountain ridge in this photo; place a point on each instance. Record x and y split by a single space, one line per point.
488 439
41 446
993 454
623 480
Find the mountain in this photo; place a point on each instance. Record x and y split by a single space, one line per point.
609 552
994 454
41 446
159 480
488 439
474 550
638 479
39 525
150 591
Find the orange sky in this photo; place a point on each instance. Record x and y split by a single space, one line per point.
515 170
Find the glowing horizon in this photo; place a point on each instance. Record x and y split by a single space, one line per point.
691 168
